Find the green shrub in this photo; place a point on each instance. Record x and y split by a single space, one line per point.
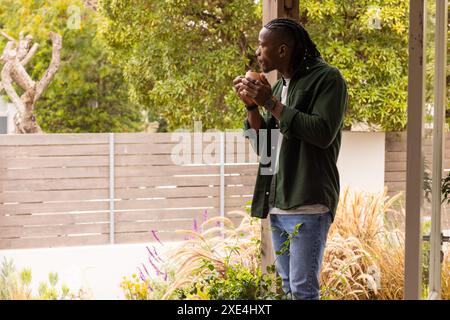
238 283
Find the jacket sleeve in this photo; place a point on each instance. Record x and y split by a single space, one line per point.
321 126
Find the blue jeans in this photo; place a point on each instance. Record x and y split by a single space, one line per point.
300 259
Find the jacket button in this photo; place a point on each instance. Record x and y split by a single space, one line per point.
267 193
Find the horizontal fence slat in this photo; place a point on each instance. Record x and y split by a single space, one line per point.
395 176
183 181
55 162
54 173
200 203
51 230
179 192
54 184
395 185
52 242
52 139
53 150
156 225
60 218
161 171
145 237
394 156
165 159
68 195
177 203
174 149
394 167
121 182
174 213
53 207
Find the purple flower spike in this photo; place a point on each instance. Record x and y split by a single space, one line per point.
156 237
154 266
146 271
165 276
141 275
195 225
151 254
150 287
156 254
205 215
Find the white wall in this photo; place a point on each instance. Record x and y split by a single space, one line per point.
97 269
9 110
361 161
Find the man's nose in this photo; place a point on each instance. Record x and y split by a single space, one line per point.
257 52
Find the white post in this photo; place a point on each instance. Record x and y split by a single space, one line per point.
222 176
111 189
438 147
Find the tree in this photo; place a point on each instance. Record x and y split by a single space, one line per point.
88 94
16 55
180 56
368 42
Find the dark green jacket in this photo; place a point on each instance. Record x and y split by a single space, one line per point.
311 124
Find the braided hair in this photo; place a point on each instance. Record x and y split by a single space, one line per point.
304 47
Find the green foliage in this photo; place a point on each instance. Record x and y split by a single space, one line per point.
238 283
284 248
88 93
49 291
373 59
446 189
180 57
12 285
16 285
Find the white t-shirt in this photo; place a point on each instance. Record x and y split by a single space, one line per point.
306 209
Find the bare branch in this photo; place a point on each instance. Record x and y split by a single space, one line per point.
8 51
21 77
7 85
24 46
8 37
30 54
53 67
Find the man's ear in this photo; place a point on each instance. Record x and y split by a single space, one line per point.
282 50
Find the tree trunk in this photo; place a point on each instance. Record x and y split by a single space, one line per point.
16 55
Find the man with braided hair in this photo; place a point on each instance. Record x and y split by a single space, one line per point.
301 124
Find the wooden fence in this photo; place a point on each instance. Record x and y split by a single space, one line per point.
88 189
73 189
395 159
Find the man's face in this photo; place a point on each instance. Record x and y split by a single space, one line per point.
267 52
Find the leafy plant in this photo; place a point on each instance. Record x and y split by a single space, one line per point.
368 42
363 259
219 262
15 285
182 71
88 93
238 283
286 244
49 291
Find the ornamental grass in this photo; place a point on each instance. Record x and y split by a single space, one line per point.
363 259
